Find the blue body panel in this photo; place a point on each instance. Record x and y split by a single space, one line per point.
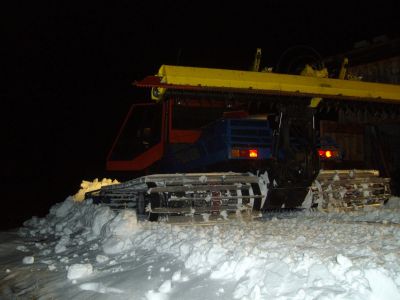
216 142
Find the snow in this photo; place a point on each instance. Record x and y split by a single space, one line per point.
84 251
79 270
28 260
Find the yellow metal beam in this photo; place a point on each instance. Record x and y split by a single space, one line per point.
273 83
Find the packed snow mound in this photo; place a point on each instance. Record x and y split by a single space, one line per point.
88 186
75 222
306 255
68 218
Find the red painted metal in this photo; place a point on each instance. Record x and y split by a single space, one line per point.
235 114
184 136
177 136
139 163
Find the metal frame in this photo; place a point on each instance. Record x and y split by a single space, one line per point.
192 78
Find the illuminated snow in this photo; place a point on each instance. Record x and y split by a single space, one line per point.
28 260
81 250
79 270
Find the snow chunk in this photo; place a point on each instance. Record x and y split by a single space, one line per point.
263 182
99 287
163 269
206 217
307 203
115 245
101 216
22 248
76 271
203 179
60 248
61 245
60 210
165 287
152 295
208 198
119 231
123 225
177 276
52 267
336 177
256 293
101 259
224 214
28 260
45 252
344 261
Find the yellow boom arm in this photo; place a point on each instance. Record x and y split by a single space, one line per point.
193 78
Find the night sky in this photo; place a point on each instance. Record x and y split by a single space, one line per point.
67 73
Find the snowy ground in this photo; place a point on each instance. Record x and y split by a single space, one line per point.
86 251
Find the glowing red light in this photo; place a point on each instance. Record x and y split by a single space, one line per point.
321 152
253 153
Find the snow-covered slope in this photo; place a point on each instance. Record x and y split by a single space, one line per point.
86 251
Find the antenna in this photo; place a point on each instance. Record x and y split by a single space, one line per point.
257 59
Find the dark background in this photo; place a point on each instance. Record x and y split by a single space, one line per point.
67 73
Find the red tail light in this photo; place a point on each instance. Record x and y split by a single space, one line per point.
244 153
328 154
253 153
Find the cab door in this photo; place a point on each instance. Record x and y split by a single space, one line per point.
140 141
